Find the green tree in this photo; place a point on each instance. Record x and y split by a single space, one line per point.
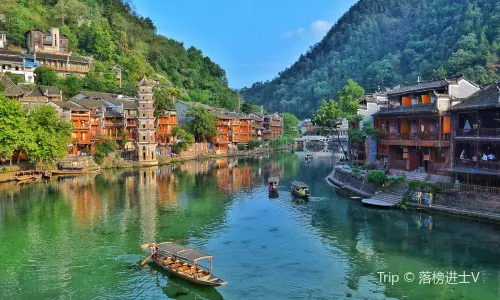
290 124
70 12
45 76
13 126
99 40
184 140
2 87
246 107
164 100
71 86
51 135
204 124
103 148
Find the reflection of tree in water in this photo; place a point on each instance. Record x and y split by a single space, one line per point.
315 146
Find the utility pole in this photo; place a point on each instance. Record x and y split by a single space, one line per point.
239 102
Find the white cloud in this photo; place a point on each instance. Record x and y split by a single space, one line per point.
319 27
297 32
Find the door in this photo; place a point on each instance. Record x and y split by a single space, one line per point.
413 160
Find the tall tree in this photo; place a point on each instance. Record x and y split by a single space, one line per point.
45 76
164 100
204 124
51 135
290 124
13 126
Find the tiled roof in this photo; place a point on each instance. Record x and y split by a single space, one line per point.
406 110
50 90
11 57
79 59
127 104
144 82
487 98
41 55
112 114
419 87
88 103
69 105
99 95
34 92
11 89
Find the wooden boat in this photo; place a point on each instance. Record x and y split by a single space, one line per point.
74 171
300 189
273 184
38 174
182 261
309 157
24 175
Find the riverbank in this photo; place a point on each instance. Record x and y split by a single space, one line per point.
111 162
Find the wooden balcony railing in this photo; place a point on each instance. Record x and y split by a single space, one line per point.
410 108
423 136
478 133
480 164
477 189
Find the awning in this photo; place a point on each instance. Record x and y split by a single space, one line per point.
273 179
299 184
182 251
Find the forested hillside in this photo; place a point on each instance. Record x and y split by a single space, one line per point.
113 34
386 43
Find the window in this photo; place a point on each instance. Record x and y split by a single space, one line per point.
143 137
36 35
143 115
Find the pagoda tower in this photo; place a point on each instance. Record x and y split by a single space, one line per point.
145 120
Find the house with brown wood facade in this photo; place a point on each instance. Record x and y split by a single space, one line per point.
257 125
50 49
165 123
80 117
415 127
273 126
476 139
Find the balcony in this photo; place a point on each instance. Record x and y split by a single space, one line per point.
479 166
424 136
478 134
415 108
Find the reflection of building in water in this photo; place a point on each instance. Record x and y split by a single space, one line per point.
85 202
223 179
146 192
246 176
195 167
167 191
236 179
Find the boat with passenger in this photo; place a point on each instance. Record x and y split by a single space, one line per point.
300 189
183 261
24 175
273 184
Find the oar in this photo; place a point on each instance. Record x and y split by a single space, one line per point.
146 260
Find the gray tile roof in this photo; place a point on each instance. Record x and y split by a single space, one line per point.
90 103
482 99
127 104
69 105
11 89
419 87
99 95
50 90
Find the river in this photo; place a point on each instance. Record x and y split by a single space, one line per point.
78 238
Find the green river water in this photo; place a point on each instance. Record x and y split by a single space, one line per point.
79 238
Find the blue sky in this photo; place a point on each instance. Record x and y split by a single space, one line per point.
252 40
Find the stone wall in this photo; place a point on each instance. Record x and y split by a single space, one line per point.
78 162
195 150
354 181
469 201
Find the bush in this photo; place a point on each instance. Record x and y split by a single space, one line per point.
377 177
103 148
254 143
241 147
422 186
282 141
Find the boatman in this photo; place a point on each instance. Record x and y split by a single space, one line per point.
153 250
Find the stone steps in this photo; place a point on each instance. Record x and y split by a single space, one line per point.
393 194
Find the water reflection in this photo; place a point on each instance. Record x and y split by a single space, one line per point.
81 235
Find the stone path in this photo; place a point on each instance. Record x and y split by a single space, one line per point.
389 197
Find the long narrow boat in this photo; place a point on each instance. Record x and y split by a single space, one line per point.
300 189
69 172
182 261
273 184
24 175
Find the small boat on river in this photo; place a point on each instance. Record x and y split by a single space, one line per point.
69 171
182 261
308 157
300 189
24 175
273 184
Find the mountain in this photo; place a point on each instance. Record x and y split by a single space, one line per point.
385 43
114 34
